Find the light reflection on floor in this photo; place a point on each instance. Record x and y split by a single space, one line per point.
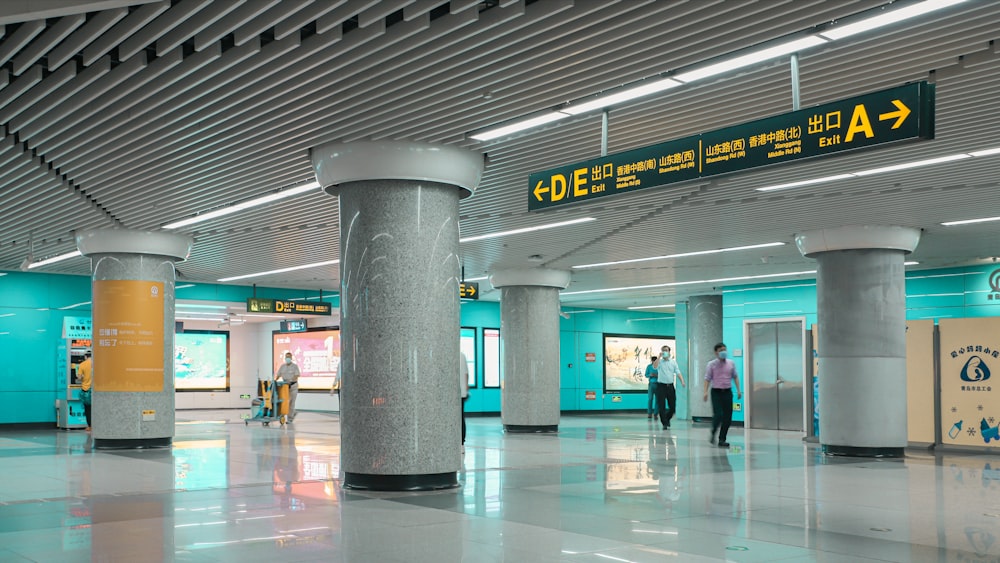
605 489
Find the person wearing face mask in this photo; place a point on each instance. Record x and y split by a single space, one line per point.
289 373
666 393
720 377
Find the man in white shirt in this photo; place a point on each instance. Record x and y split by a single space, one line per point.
289 373
669 373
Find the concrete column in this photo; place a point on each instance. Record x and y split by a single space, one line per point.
399 309
861 313
529 330
133 305
704 321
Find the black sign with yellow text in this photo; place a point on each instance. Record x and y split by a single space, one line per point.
261 305
468 290
899 114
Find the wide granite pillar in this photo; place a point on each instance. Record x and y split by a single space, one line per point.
399 309
529 329
704 323
861 314
133 335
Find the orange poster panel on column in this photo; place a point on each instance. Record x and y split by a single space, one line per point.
128 336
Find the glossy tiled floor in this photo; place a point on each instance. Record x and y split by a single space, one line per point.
608 489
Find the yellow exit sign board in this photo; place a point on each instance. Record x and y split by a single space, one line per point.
899 114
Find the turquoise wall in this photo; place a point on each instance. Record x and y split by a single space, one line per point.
32 307
930 294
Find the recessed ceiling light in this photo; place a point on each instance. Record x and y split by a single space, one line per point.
199 306
886 18
694 282
54 259
281 271
801 183
521 125
970 221
638 91
666 306
682 255
283 194
986 152
914 164
528 229
752 58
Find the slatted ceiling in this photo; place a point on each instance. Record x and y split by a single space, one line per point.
160 26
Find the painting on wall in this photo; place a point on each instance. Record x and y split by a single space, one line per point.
626 358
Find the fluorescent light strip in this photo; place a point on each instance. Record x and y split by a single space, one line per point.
667 306
283 194
187 285
199 306
7 315
753 58
209 313
518 126
622 96
911 263
281 271
74 305
54 259
775 51
884 169
480 278
527 230
887 18
681 255
675 284
970 221
218 320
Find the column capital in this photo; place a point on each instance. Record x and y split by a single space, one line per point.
541 277
857 237
339 163
128 241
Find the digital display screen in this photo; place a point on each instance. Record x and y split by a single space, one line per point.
492 368
468 347
293 326
316 352
626 358
201 361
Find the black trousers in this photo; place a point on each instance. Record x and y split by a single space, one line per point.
463 420
722 412
86 413
666 393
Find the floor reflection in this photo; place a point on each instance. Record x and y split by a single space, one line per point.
612 488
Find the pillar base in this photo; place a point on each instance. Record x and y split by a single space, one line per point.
852 451
530 428
131 443
425 482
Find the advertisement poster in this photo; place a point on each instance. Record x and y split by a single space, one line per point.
491 357
970 396
201 361
316 352
626 358
467 343
128 336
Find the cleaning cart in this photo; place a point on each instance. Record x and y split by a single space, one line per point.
271 404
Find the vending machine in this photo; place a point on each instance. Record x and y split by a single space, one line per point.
74 344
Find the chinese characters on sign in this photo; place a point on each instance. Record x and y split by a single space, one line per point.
128 336
969 414
899 114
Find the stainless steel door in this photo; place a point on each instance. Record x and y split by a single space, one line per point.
762 376
791 371
775 374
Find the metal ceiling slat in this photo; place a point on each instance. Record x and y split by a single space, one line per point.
52 36
41 101
308 14
19 39
239 17
75 43
380 10
123 30
268 19
159 27
194 24
22 84
418 8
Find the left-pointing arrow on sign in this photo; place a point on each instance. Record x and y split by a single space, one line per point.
539 190
900 115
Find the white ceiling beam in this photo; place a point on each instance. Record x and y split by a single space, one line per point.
241 16
19 39
52 36
459 6
123 30
195 24
160 26
23 83
95 26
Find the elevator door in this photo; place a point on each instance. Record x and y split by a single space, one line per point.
775 375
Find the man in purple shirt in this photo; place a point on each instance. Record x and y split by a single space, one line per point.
720 374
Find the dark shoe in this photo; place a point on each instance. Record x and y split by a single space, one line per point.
649 416
711 439
723 444
666 428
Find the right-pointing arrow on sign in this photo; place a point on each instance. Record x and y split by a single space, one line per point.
900 115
